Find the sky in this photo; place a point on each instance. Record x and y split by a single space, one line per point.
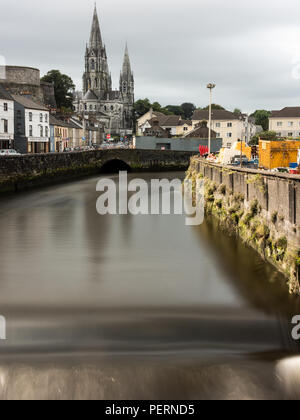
250 50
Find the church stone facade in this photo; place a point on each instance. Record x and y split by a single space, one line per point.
113 110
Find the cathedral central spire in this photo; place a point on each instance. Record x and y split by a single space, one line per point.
95 38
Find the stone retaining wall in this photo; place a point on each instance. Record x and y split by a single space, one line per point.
262 207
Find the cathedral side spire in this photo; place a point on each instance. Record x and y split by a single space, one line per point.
126 63
95 38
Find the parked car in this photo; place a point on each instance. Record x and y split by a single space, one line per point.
281 170
9 152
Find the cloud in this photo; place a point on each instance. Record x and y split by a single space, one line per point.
249 49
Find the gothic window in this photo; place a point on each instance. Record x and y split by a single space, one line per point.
105 108
112 108
93 64
124 87
85 107
41 131
91 107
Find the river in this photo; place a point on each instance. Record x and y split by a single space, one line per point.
136 307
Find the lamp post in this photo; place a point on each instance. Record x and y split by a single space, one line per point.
210 86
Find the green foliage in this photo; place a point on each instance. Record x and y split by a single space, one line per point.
222 189
188 110
214 106
142 106
268 135
174 109
237 111
63 88
262 118
254 141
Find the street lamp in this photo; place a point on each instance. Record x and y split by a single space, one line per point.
210 86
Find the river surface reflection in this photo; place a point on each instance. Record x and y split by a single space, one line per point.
136 306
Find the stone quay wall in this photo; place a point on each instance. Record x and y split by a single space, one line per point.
263 208
22 172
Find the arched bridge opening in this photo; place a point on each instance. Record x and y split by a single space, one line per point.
114 166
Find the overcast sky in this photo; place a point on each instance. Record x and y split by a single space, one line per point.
251 50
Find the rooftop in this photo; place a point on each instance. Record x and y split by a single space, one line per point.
288 112
217 114
28 103
4 94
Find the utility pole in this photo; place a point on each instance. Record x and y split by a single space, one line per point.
210 86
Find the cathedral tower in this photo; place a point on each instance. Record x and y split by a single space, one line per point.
96 77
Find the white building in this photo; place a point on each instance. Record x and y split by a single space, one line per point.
286 123
6 120
228 126
32 129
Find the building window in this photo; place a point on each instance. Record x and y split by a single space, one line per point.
279 124
19 115
85 107
290 123
91 107
30 116
218 125
30 131
41 131
112 108
229 125
46 118
19 128
218 135
46 132
5 107
185 128
290 134
5 126
93 64
41 117
229 135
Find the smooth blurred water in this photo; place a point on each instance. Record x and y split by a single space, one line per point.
134 306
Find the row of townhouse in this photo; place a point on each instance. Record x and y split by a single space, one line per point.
28 127
225 124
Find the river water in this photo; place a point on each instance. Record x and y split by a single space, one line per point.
136 307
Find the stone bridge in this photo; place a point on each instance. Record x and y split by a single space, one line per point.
25 171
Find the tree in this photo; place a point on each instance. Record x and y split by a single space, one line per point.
174 109
63 88
142 106
214 106
188 110
237 111
262 118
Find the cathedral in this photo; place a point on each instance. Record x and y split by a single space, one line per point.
113 110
